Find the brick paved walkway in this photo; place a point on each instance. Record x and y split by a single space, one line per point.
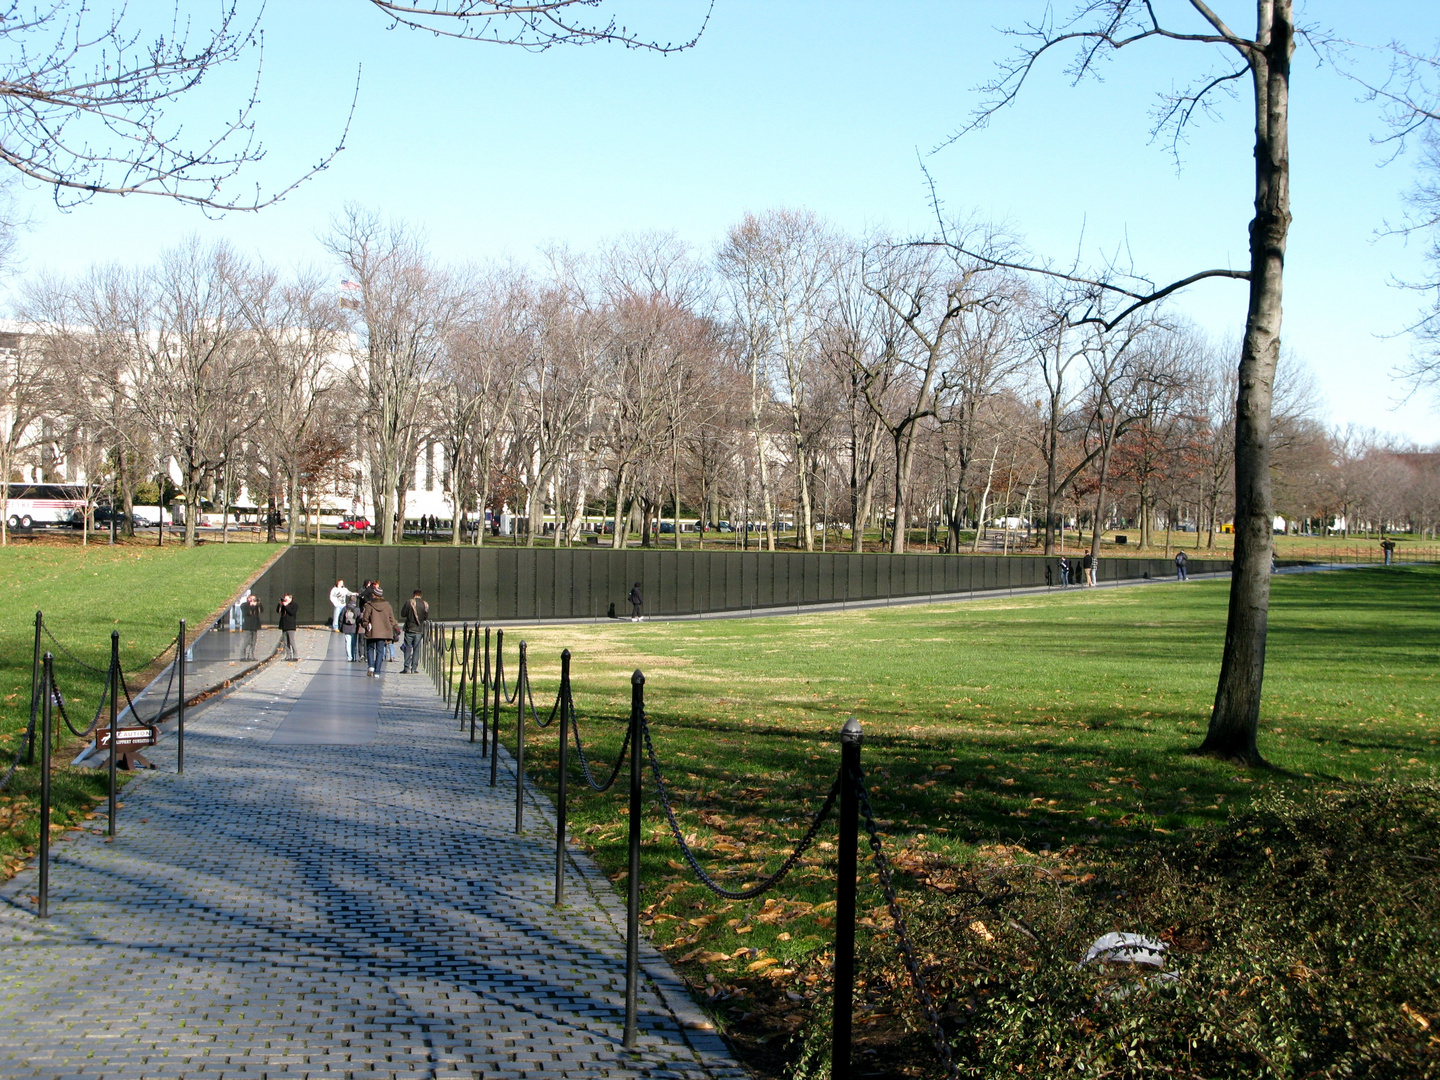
328 910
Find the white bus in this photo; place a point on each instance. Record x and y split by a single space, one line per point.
44 504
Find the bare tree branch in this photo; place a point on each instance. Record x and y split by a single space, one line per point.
85 106
536 25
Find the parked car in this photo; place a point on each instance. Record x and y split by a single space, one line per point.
104 515
353 524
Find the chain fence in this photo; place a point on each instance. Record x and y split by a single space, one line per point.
848 784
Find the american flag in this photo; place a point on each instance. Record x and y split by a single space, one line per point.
350 292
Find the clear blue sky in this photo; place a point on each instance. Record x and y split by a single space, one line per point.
818 103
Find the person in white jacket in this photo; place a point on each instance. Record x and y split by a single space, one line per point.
338 597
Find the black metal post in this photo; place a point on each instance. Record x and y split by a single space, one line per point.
632 907
114 712
521 687
474 673
464 671
564 776
34 691
450 667
180 707
47 686
499 697
844 990
484 702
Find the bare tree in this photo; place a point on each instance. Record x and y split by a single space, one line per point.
778 267
408 309
1098 29
296 328
25 396
927 290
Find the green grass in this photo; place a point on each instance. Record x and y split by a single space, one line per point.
85 593
1060 720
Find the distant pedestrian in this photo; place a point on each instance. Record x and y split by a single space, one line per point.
1087 564
1064 572
415 615
1181 561
1388 547
378 624
287 612
250 612
637 600
350 627
338 595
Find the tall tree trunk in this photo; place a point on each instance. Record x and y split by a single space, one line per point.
292 498
1235 719
1052 467
622 523
765 491
985 497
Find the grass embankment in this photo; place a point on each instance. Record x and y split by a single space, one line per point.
1049 731
86 593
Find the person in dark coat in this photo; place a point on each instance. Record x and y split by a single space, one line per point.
1181 560
416 613
377 621
287 612
250 612
637 600
1088 565
1064 572
350 627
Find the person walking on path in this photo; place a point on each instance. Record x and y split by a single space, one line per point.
637 600
338 595
377 621
1064 572
1181 560
250 611
287 612
1388 547
350 627
415 613
1087 564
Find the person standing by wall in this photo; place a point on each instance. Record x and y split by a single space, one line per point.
1388 547
287 612
1064 572
350 627
338 595
250 611
416 613
378 623
1181 560
1087 564
637 601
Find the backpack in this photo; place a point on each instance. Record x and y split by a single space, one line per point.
350 618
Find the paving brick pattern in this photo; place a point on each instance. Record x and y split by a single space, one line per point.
328 911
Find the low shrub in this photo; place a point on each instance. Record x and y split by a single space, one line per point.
1303 940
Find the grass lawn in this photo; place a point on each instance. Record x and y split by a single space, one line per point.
1059 721
85 593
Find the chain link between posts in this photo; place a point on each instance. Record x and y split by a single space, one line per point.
902 935
580 750
704 878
